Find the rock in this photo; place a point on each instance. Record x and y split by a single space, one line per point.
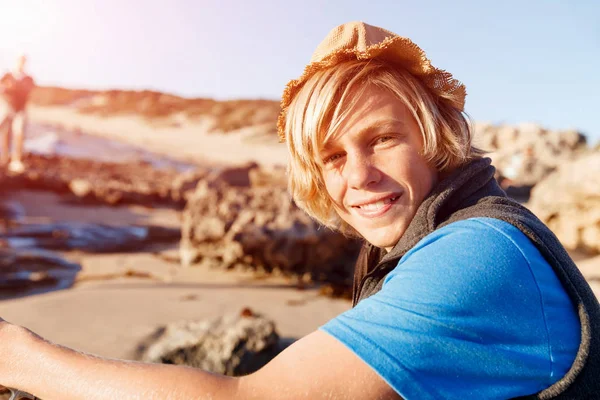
96 182
262 177
505 136
81 187
568 201
234 176
185 183
234 345
526 153
260 228
590 268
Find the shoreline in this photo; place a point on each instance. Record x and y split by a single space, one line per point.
184 140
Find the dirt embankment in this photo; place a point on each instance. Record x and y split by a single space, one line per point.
227 116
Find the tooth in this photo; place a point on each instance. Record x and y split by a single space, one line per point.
374 206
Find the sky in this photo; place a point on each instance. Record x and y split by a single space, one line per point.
521 61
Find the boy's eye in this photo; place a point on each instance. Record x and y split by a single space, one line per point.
383 139
332 158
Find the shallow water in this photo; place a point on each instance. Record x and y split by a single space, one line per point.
29 265
52 140
25 271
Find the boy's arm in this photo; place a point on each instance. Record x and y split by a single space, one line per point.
315 367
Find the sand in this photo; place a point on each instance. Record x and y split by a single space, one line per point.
110 317
108 313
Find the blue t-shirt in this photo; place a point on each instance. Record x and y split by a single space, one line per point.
473 311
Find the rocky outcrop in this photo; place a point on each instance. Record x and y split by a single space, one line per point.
243 217
568 201
91 181
527 153
235 344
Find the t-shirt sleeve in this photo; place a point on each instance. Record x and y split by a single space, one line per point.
458 318
28 84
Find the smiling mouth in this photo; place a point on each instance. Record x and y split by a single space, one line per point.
378 205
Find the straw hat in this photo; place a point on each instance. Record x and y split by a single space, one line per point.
360 41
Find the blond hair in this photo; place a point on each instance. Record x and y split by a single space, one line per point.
325 100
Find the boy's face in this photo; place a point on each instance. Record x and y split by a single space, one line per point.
373 168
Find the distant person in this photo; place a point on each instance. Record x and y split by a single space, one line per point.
15 88
460 292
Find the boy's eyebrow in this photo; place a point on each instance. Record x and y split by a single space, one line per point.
385 123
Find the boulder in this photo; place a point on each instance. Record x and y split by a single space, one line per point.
260 228
235 344
89 181
568 201
185 183
526 153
